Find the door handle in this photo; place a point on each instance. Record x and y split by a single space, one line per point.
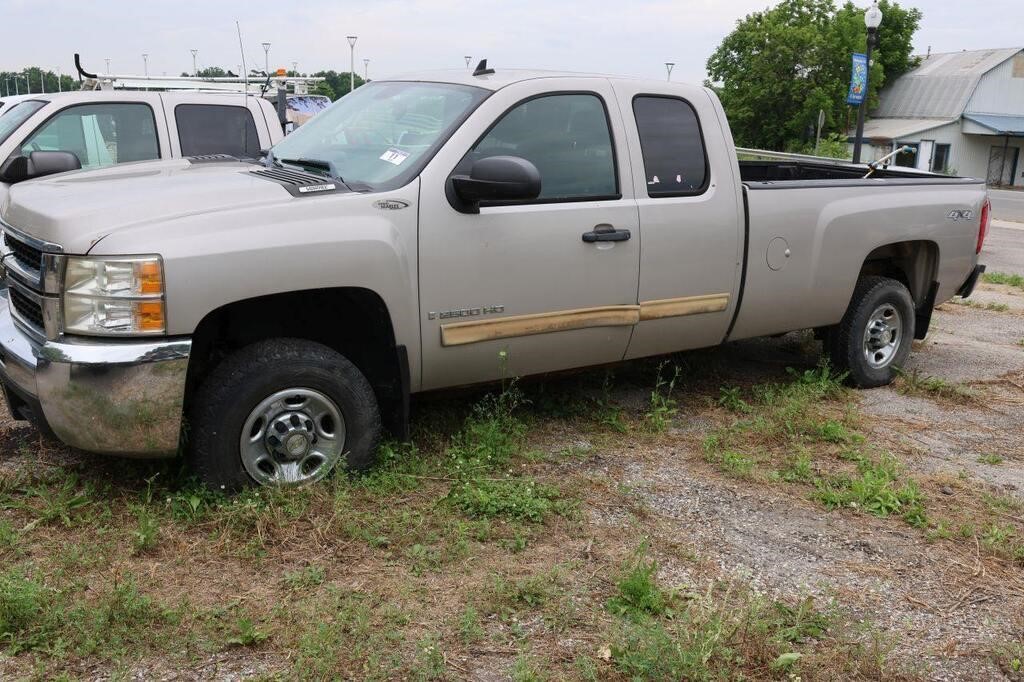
606 233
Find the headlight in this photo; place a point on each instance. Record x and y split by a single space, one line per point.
114 296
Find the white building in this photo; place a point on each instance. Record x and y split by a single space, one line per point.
962 112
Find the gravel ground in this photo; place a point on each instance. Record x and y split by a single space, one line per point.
946 610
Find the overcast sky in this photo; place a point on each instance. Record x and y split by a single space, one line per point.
634 37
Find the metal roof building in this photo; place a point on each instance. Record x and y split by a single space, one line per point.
962 112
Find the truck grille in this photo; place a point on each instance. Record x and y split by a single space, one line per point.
28 256
27 309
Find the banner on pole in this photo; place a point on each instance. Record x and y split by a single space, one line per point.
858 79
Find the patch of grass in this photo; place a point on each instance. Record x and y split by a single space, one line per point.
731 398
798 469
305 578
991 305
991 459
731 634
470 630
147 529
1004 278
879 490
639 595
429 663
915 383
662 405
247 634
514 499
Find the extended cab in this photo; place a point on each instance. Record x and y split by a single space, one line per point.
267 318
102 129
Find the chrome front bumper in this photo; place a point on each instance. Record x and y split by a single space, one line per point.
121 397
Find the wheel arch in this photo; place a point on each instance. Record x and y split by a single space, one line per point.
353 321
915 263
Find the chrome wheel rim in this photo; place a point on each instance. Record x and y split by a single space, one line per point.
292 437
883 335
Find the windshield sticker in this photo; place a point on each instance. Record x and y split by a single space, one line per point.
395 156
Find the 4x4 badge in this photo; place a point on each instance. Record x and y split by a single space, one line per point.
391 204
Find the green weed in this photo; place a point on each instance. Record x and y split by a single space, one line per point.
662 405
1004 278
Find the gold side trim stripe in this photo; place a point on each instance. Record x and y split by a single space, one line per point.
461 333
689 305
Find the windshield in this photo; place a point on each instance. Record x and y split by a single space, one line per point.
12 118
380 135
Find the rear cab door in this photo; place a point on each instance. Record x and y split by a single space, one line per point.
215 124
516 289
691 215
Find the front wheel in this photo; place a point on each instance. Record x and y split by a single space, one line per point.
281 412
873 339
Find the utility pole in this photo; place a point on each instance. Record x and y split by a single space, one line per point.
42 81
352 62
872 19
107 60
668 67
60 87
195 69
145 64
295 68
266 57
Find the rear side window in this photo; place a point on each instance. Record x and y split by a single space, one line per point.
675 162
100 135
216 129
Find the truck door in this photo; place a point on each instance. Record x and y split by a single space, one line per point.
691 215
515 289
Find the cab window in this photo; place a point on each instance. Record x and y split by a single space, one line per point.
217 129
99 134
675 163
567 137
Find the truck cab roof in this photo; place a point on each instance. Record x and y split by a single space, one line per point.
505 77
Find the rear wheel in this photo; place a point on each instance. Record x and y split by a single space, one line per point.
873 339
282 412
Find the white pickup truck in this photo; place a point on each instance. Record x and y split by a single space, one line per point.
420 227
106 128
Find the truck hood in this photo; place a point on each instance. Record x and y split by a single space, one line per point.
78 209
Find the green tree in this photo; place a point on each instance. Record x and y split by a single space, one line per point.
779 67
38 80
339 82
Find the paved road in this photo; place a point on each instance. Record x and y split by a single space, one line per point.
1007 204
1004 249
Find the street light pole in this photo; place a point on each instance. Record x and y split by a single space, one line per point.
668 67
295 68
145 64
195 69
107 60
352 62
872 19
266 58
468 59
366 69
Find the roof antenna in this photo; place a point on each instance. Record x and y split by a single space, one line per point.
482 70
82 72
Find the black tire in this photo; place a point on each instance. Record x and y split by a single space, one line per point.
238 384
845 343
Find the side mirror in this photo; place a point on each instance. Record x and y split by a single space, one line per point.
497 178
38 164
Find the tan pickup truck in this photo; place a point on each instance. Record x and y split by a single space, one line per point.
268 320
